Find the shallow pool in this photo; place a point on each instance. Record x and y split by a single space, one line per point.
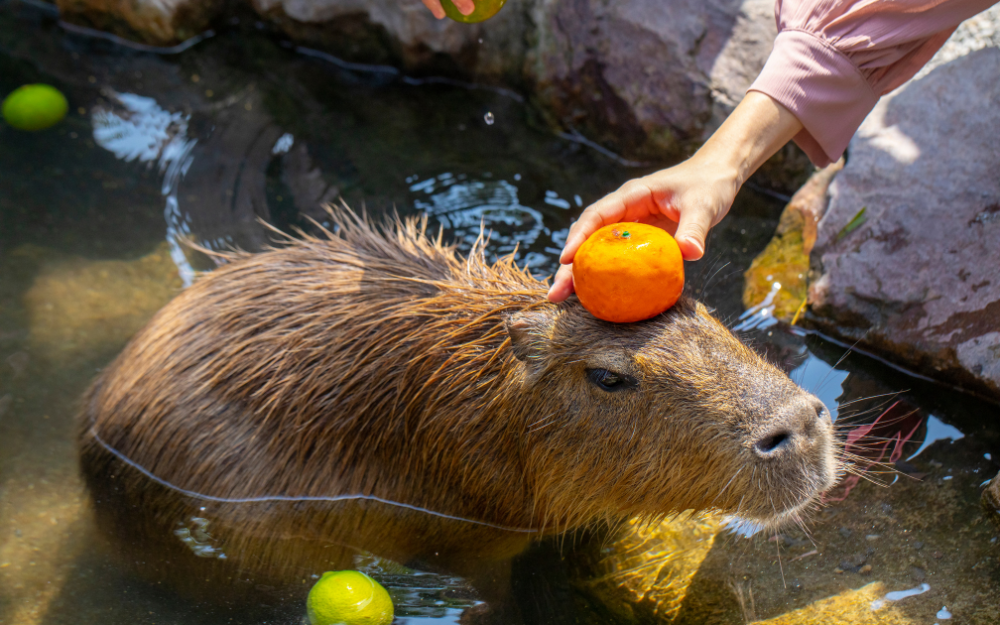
244 127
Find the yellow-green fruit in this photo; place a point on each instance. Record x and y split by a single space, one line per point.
34 107
348 598
485 9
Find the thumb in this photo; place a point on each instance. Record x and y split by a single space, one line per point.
691 232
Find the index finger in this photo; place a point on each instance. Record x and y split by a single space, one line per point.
634 200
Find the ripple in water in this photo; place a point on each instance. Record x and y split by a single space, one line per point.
463 206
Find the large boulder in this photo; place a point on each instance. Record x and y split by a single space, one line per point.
903 261
647 77
155 22
918 280
405 34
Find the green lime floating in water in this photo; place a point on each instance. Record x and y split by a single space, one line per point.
348 598
34 107
485 9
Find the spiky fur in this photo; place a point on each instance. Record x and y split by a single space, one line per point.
377 363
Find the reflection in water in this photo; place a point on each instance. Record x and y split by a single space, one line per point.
825 382
890 526
759 316
937 430
898 595
141 130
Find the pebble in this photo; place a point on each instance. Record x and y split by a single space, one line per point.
845 532
865 570
918 545
853 563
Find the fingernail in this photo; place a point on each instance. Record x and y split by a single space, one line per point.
691 249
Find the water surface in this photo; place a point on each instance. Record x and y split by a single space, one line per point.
245 127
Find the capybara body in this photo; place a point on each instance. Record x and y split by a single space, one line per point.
371 390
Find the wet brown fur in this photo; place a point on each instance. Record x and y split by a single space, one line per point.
378 362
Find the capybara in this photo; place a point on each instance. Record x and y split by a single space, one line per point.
368 389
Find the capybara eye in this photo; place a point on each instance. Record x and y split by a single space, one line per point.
610 381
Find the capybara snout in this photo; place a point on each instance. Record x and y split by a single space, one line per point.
373 389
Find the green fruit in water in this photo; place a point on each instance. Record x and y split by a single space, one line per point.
34 107
348 598
485 9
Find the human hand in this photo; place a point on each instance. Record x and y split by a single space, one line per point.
688 199
465 7
685 200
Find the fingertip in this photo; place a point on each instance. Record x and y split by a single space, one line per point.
466 7
691 248
557 293
562 285
569 249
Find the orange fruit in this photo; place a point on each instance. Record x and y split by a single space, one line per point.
628 272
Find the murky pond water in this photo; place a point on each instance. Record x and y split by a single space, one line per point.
243 127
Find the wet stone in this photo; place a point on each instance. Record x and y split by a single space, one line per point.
845 532
918 574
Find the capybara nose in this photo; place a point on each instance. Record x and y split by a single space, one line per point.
795 427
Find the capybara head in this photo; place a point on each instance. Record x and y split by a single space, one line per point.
378 365
660 416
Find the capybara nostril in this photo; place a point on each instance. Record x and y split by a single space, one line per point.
772 444
799 424
822 412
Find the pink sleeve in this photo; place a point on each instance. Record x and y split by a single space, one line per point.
833 59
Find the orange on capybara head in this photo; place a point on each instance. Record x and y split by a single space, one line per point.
628 272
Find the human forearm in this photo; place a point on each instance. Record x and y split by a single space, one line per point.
756 129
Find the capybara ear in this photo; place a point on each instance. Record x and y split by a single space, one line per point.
529 331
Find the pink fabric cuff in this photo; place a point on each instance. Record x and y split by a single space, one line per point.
821 87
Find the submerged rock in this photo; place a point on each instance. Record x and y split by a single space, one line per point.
785 260
83 307
851 607
644 576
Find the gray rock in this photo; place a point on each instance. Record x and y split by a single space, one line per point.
918 281
156 22
404 33
646 77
